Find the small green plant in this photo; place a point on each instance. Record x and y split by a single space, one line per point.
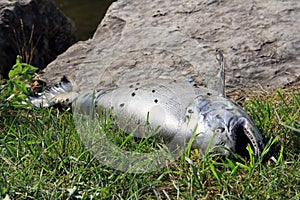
16 90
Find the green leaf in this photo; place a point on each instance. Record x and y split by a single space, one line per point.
22 97
215 173
15 71
29 68
251 154
243 166
10 86
20 86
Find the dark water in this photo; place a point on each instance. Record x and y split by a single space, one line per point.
86 14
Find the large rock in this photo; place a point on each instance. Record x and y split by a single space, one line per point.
153 38
35 29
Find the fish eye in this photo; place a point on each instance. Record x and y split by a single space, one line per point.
219 130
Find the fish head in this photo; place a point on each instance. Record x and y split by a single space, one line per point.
223 125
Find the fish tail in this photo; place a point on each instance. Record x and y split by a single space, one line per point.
58 94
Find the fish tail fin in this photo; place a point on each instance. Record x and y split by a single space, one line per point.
58 94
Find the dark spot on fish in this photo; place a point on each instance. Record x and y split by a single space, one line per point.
190 111
209 94
175 81
218 117
195 85
122 105
67 100
133 94
187 117
131 86
155 100
153 91
137 83
136 88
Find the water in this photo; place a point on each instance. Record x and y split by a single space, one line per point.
86 14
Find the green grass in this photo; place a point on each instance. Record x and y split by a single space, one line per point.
43 157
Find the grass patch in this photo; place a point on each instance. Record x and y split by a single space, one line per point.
43 157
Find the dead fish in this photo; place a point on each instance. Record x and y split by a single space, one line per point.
175 108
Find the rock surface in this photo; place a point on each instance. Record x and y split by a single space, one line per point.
35 29
144 39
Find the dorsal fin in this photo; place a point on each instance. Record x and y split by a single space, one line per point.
221 74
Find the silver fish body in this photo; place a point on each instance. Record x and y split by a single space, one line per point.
178 111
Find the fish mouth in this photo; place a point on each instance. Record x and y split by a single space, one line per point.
245 133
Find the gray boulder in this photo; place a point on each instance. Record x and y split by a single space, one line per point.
146 39
35 29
